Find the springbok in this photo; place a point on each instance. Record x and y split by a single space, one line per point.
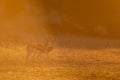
38 49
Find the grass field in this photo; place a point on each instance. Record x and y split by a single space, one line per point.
63 63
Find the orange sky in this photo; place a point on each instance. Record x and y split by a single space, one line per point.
88 15
79 17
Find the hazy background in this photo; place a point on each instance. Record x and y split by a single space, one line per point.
20 19
93 18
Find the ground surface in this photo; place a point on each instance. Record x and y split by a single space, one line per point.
63 63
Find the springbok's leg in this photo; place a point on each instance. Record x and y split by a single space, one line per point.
28 54
38 55
46 58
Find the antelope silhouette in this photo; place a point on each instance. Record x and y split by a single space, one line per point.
38 49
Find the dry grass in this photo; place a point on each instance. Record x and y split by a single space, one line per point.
62 64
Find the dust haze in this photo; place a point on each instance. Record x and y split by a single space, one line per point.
59 40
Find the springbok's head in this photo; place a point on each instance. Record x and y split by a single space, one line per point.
50 43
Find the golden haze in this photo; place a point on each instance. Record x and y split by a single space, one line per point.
23 22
